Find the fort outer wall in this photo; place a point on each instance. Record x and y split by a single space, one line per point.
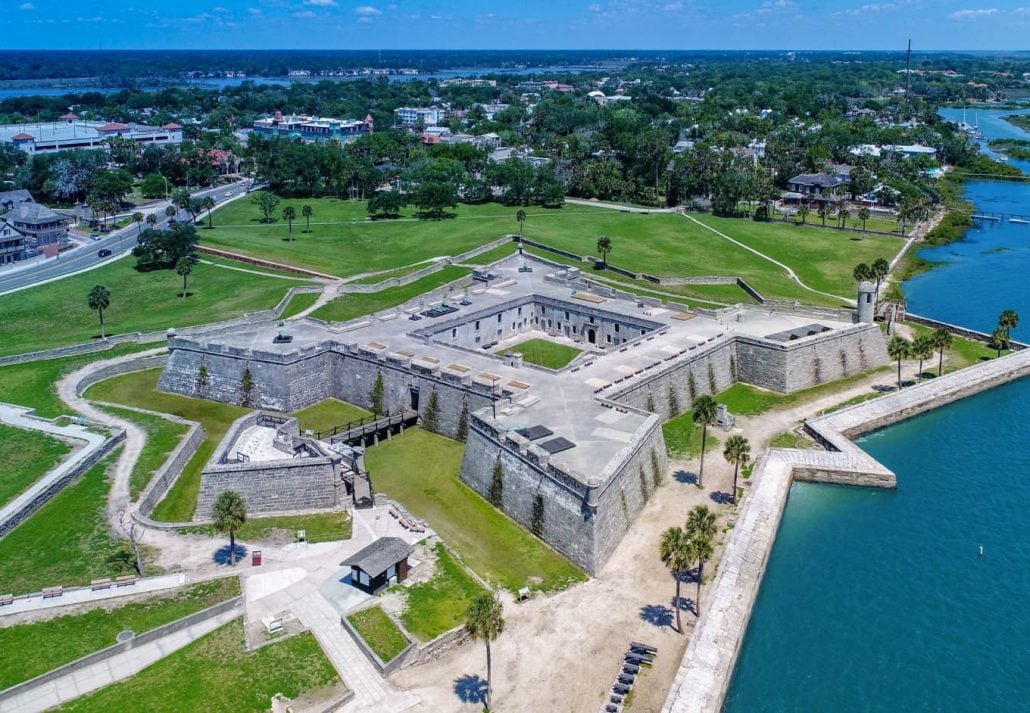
289 382
782 367
583 519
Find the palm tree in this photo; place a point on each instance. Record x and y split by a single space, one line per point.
677 554
151 220
183 268
137 218
290 215
484 621
941 341
1008 320
701 530
208 204
170 211
704 416
881 268
863 215
862 272
737 452
307 211
922 348
842 215
999 339
230 514
898 348
604 246
702 547
99 300
803 211
823 212
520 216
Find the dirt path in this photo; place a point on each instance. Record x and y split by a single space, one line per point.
135 437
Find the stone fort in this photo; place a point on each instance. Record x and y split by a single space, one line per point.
579 449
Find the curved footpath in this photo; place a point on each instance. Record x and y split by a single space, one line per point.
704 675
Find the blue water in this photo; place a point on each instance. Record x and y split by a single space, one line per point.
879 601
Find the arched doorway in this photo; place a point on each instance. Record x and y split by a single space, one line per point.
592 336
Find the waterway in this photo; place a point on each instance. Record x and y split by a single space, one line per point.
881 601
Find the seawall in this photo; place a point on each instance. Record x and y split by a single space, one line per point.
706 670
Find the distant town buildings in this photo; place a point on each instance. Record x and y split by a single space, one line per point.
71 132
25 225
312 128
414 115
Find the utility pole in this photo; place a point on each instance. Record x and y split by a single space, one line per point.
908 77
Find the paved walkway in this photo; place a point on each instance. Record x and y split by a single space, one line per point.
84 595
21 417
115 668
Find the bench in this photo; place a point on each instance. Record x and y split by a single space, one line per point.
51 592
125 580
6 599
418 527
98 584
645 648
394 514
405 524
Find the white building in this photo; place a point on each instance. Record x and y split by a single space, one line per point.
410 116
71 132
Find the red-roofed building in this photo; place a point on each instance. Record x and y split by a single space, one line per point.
69 117
172 125
112 128
23 137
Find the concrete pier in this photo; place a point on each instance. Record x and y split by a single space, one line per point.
704 675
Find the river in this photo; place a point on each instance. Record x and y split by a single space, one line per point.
881 601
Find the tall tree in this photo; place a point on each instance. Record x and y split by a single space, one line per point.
703 548
999 339
701 529
880 268
1008 320
520 216
183 268
862 272
803 210
678 555
230 514
289 215
99 300
484 621
208 203
307 211
604 246
138 218
267 202
941 342
704 413
863 215
151 220
922 349
898 348
737 452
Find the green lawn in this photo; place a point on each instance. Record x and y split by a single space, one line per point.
298 303
379 632
546 353
26 457
658 243
683 438
355 305
215 674
33 649
318 527
964 352
32 384
162 438
420 470
328 413
746 400
57 313
138 389
791 439
440 604
67 541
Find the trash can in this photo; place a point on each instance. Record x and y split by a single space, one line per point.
255 558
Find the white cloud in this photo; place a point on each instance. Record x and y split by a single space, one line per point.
26 6
219 8
368 11
594 8
304 13
973 14
254 10
321 3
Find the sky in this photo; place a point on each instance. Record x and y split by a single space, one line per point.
515 24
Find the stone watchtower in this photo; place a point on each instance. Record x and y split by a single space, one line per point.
866 302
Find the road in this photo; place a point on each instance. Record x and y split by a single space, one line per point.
117 242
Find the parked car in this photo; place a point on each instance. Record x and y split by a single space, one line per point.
104 252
